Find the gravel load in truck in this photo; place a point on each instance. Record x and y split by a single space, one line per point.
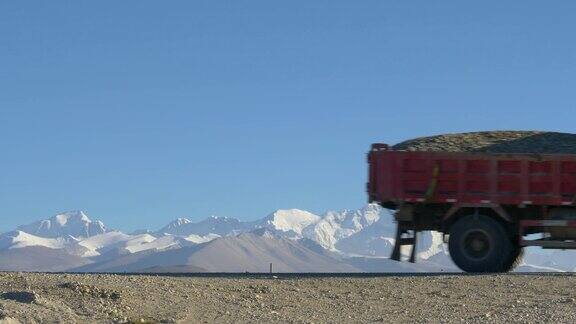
494 142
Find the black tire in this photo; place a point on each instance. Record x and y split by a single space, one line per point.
479 243
515 259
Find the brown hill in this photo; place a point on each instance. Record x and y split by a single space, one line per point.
246 252
39 258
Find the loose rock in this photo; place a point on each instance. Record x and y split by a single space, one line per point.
26 297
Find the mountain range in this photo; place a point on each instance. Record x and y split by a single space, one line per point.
291 240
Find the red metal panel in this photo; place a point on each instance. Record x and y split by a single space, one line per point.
509 179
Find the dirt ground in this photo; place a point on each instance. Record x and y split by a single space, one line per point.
69 298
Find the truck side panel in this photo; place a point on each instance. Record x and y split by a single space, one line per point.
505 179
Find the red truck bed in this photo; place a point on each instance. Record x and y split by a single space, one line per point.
442 177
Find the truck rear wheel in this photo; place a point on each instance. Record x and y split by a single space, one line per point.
479 243
515 259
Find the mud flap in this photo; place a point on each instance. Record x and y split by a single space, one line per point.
400 241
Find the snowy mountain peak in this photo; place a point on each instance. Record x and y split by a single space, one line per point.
372 211
356 219
73 223
338 227
368 215
175 225
220 226
286 220
77 215
180 221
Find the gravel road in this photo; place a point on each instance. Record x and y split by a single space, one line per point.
69 298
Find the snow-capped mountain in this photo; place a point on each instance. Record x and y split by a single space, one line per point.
213 225
336 226
75 223
19 239
289 223
362 239
113 244
369 231
176 225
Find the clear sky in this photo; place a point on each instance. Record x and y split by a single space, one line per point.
143 111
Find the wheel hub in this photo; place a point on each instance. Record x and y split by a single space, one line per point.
477 244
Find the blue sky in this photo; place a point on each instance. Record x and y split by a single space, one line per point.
143 111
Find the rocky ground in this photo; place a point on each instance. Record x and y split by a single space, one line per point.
37 297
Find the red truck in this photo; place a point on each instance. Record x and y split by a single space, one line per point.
487 205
